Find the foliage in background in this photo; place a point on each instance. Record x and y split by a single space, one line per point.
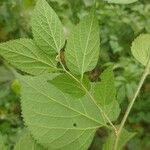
119 25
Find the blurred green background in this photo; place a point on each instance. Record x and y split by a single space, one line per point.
119 25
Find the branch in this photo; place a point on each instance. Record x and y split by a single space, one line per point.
145 74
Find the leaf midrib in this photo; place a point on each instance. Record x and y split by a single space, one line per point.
84 54
50 26
63 104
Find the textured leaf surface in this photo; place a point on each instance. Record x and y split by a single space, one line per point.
26 56
68 85
47 28
26 142
141 48
82 50
105 91
55 119
2 145
121 1
124 138
112 110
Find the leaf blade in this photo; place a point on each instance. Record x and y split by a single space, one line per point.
47 28
82 50
61 117
105 91
26 56
68 85
26 141
141 48
112 110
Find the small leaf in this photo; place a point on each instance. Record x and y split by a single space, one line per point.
47 28
68 85
141 48
55 119
124 138
16 87
26 56
2 144
82 50
105 91
121 1
26 142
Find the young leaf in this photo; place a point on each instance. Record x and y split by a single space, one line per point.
2 144
105 91
124 138
141 48
55 119
68 85
26 142
82 50
26 56
121 1
47 28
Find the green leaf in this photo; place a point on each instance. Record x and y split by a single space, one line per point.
26 56
2 144
47 28
112 110
26 142
82 50
105 91
16 87
124 138
55 119
105 94
68 85
121 1
141 48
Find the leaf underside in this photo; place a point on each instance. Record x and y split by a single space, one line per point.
47 28
82 49
26 56
105 91
141 48
112 110
55 119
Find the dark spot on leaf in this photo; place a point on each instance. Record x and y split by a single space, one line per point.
74 124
